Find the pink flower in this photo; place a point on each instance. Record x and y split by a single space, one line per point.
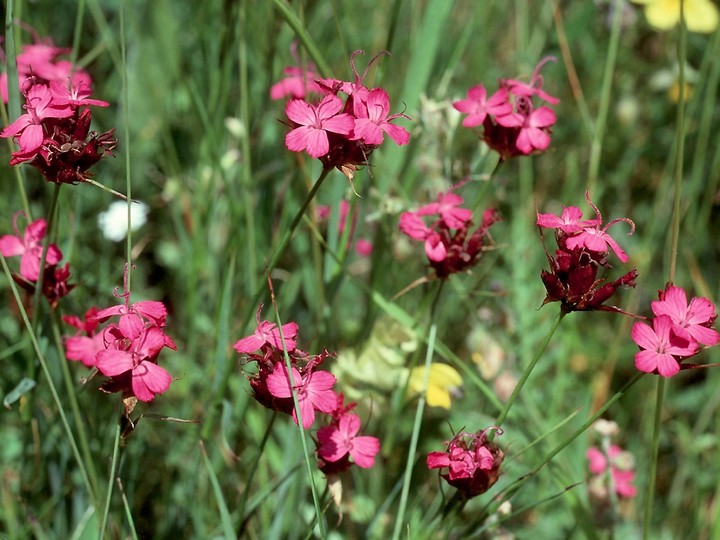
267 333
297 83
29 248
73 96
314 391
28 129
137 357
534 87
568 222
473 463
340 439
413 226
134 318
660 348
313 124
478 107
84 347
533 133
363 247
371 119
596 239
447 208
689 321
620 468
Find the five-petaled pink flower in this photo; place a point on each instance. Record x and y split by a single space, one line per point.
568 222
314 391
340 439
313 123
134 318
137 356
534 126
29 248
478 107
690 321
661 349
371 119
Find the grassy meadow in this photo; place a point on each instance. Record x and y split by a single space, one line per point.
231 210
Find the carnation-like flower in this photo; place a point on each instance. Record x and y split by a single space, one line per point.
340 439
472 462
29 248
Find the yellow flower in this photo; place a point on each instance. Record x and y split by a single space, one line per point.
700 15
441 383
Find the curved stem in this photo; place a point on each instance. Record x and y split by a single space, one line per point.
539 352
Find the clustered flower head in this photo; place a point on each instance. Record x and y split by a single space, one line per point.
342 133
583 248
54 133
273 387
29 247
678 330
125 350
472 462
449 244
513 124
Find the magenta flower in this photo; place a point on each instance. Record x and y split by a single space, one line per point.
534 87
478 107
447 207
692 321
74 95
28 129
621 469
138 358
472 463
267 333
29 248
661 349
296 84
314 391
134 318
84 348
340 439
533 134
371 119
313 123
568 222
599 241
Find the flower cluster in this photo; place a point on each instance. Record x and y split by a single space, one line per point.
125 350
341 134
622 471
472 462
29 247
512 124
583 248
678 329
449 245
54 133
273 388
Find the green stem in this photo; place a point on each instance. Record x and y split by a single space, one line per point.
285 240
77 416
51 384
538 353
596 147
296 24
126 136
111 481
415 435
650 493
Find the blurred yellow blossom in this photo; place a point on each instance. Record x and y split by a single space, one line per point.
443 381
700 15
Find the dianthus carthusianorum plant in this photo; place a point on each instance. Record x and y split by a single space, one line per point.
419 270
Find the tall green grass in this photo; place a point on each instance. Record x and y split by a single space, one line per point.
203 145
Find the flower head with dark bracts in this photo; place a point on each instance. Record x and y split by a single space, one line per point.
54 133
343 133
472 462
678 330
126 350
583 248
450 245
513 124
29 247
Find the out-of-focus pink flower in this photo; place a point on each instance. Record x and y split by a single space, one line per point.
29 248
84 347
297 83
621 469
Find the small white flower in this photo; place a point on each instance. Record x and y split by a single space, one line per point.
114 221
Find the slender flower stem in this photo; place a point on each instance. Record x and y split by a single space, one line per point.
51 384
415 435
126 136
285 240
674 241
538 353
111 481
